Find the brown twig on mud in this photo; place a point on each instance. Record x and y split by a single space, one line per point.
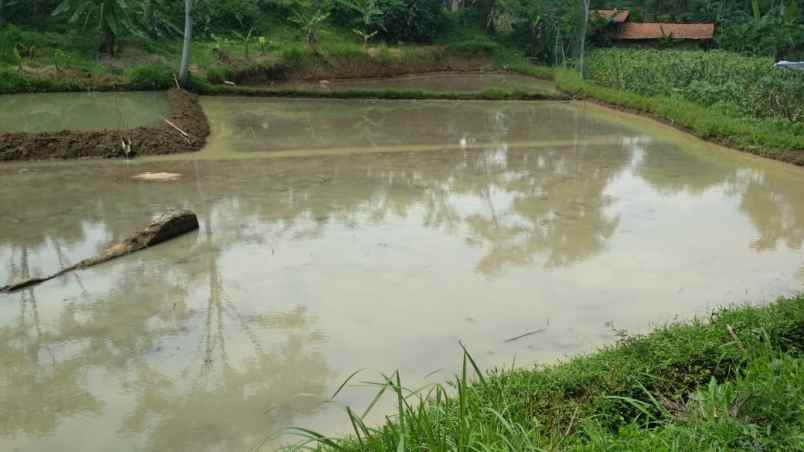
184 134
529 333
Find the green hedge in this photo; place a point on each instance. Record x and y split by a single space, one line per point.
150 77
730 83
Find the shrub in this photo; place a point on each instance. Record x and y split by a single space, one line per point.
150 76
10 37
226 15
217 74
410 20
12 81
294 56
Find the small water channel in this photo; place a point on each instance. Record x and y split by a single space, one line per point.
340 235
53 112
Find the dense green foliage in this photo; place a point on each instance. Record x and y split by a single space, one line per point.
727 82
150 77
730 383
410 20
12 81
547 31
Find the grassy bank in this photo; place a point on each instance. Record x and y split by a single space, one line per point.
727 82
734 381
395 94
767 138
58 61
739 101
771 137
293 62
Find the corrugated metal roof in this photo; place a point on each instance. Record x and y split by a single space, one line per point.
616 15
634 31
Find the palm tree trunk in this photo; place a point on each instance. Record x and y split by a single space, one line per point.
147 16
188 41
108 40
585 4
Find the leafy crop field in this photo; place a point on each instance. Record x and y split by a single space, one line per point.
731 83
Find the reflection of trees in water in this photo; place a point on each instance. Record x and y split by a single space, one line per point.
361 124
231 406
547 202
37 388
550 203
771 203
777 216
518 204
670 169
225 396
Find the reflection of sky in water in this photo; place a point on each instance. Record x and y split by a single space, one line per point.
306 269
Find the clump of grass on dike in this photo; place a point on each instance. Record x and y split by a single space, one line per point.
733 381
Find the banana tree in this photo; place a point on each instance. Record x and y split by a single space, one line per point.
310 21
156 17
371 16
111 18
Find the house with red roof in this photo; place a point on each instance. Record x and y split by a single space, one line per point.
625 32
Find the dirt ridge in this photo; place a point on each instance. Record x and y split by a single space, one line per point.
184 112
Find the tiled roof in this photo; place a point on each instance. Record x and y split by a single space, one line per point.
635 31
616 15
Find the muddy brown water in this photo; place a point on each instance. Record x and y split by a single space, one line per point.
340 235
438 82
54 112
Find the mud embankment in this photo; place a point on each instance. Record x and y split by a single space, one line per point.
368 65
189 135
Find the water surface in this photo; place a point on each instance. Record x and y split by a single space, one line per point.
52 112
344 235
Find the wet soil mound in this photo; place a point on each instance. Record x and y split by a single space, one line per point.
185 113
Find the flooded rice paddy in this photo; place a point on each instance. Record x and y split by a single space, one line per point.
80 111
341 235
438 82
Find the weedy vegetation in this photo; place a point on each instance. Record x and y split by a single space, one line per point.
728 382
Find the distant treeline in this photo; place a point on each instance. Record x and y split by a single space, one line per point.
547 31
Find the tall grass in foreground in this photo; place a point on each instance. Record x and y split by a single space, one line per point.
733 382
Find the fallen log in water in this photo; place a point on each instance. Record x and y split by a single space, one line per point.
165 227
